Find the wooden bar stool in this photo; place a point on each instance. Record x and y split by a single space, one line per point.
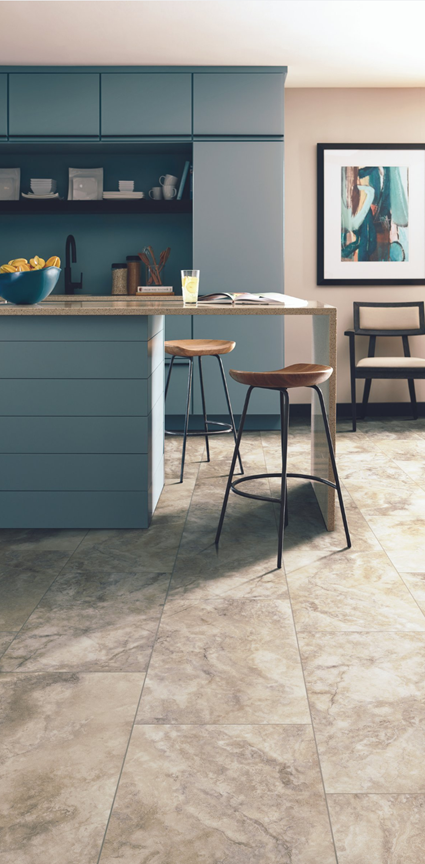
298 375
191 348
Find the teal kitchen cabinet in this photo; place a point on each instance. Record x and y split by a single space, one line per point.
238 246
146 104
238 104
3 106
50 105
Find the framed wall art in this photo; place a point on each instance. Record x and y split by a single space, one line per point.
370 214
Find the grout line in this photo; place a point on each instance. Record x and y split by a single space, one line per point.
147 671
307 696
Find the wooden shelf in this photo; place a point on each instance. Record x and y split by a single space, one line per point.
136 206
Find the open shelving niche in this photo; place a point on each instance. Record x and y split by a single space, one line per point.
121 227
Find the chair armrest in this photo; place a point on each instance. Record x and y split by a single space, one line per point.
350 333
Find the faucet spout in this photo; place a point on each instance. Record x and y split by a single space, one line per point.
71 257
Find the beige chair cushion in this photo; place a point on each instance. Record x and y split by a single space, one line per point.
389 318
392 362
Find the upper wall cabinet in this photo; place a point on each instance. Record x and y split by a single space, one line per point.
238 104
3 106
146 104
50 105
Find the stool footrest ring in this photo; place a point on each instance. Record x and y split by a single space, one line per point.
266 476
227 427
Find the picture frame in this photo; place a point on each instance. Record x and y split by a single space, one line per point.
370 214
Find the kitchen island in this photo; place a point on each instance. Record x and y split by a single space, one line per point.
82 407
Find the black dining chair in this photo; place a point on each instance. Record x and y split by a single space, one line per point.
385 319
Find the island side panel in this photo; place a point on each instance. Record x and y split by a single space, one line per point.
324 352
81 420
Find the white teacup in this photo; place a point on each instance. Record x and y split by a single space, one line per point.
169 192
156 192
168 180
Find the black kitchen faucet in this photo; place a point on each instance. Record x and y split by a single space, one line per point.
71 255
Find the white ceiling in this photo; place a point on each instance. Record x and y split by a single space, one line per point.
325 43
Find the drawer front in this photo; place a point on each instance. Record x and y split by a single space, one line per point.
77 328
54 104
47 397
73 472
74 509
146 104
80 359
3 106
238 104
74 435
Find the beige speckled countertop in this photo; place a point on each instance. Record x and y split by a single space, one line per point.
108 305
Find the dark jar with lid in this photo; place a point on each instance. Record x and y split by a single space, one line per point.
119 278
133 273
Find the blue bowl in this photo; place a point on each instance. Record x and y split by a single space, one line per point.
29 287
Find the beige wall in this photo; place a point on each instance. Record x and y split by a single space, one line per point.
340 116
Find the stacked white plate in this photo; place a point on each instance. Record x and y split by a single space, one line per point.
43 187
126 185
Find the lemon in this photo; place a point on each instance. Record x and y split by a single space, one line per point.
17 261
8 268
190 285
22 268
54 261
37 263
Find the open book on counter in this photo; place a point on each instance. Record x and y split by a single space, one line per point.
224 297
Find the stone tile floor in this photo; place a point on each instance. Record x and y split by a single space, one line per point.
164 704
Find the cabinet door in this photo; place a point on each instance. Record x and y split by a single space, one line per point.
146 104
238 104
3 106
238 246
54 104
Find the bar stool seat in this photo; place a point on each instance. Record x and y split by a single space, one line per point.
198 347
190 349
281 380
297 375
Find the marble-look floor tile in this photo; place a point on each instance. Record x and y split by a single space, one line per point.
21 589
5 640
235 794
416 585
306 538
378 829
91 622
225 661
357 591
38 540
63 740
367 696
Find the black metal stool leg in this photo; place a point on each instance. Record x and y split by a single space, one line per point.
168 377
232 467
186 422
284 422
333 462
201 381
229 406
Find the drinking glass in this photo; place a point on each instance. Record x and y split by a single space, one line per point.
190 287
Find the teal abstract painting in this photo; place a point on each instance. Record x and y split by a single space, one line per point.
374 214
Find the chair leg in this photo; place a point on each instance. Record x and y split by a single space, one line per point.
168 377
201 381
229 405
366 391
186 421
284 422
232 467
412 392
353 403
333 463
